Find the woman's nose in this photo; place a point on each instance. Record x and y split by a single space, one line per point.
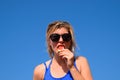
61 39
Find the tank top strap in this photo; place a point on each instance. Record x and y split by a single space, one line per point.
45 65
50 63
75 64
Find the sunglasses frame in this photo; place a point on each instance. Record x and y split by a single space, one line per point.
55 37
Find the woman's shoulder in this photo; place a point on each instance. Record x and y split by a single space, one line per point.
41 67
83 67
81 58
39 70
81 62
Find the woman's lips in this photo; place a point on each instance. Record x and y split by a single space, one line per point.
60 47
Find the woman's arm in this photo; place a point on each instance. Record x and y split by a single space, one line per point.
76 74
83 72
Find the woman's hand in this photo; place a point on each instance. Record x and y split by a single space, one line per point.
67 56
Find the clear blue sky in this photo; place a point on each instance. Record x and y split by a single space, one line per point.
23 26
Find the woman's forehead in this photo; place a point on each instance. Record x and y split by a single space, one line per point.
61 30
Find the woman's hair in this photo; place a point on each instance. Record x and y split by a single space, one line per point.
57 25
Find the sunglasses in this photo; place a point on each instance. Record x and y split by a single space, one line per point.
55 37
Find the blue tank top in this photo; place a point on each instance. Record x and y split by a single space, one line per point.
48 75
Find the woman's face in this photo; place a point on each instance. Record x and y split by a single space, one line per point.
60 43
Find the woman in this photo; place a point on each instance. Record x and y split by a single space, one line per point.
63 64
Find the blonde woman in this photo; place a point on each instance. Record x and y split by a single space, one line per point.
63 65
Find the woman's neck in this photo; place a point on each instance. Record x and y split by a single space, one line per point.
58 60
59 63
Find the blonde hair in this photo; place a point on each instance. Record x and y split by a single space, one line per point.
56 25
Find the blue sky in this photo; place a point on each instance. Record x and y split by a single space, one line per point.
23 24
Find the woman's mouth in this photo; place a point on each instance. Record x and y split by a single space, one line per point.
61 47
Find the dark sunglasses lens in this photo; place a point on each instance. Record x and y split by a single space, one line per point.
66 37
54 37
